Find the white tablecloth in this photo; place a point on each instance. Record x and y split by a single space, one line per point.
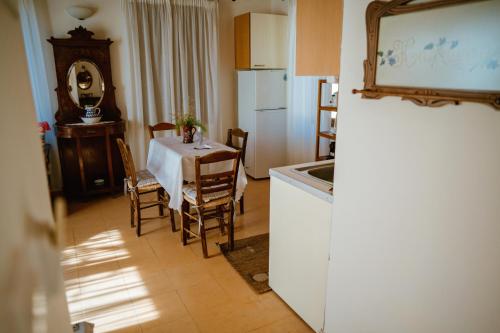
172 162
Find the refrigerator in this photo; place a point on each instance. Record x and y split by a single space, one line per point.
262 110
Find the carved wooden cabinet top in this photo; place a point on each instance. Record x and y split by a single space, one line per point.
437 62
82 47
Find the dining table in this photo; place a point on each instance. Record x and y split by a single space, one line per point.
172 162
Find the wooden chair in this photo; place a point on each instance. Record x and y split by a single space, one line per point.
211 196
162 127
243 136
139 183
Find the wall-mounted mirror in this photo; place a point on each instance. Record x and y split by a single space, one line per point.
454 57
85 84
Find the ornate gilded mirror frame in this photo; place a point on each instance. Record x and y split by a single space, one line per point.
433 97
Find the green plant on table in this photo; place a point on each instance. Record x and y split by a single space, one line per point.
188 121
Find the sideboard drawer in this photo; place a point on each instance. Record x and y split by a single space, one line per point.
94 131
81 132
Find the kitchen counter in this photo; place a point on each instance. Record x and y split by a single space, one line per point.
300 217
302 180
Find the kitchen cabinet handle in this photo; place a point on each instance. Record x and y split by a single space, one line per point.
259 65
91 132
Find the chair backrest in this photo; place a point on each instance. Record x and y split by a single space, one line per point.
220 181
128 161
162 127
239 134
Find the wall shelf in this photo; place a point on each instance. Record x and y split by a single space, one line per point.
329 135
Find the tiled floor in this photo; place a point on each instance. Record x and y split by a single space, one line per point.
122 283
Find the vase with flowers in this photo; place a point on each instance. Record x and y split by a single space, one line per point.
188 124
43 127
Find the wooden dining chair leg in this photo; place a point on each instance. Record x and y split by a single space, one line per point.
172 220
132 212
220 217
242 205
230 234
138 213
160 193
203 236
184 222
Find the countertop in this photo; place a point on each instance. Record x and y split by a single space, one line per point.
315 187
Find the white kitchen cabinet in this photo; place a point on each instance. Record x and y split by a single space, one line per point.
261 41
299 243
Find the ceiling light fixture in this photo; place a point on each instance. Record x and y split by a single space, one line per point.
79 12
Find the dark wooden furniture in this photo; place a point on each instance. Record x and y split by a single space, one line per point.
89 156
162 127
46 154
433 97
90 159
138 184
242 137
210 196
82 47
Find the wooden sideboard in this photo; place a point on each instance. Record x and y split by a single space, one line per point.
90 159
89 155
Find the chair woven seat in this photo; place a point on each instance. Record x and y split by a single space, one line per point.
189 191
212 195
145 181
139 184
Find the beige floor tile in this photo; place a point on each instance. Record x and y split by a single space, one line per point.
231 317
184 325
218 266
123 283
151 286
289 324
159 309
128 329
112 316
187 275
182 256
237 288
202 296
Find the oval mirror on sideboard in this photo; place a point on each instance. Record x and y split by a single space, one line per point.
83 71
85 84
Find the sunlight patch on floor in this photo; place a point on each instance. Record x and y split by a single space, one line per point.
101 291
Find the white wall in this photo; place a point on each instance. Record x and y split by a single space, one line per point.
416 219
26 261
107 22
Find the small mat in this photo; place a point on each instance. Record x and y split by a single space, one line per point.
250 258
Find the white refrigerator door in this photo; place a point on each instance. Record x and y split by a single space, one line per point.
270 89
270 144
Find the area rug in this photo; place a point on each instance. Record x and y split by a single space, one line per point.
250 258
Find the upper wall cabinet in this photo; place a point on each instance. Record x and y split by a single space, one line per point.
319 32
260 41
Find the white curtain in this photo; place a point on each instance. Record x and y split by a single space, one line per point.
173 52
34 22
302 104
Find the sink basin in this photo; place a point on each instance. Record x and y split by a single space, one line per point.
323 172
